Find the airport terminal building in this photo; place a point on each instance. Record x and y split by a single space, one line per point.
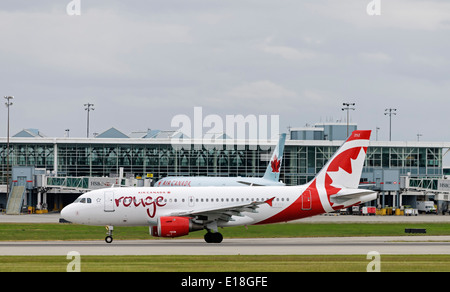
41 163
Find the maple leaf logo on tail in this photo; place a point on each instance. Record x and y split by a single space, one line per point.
275 164
345 167
345 170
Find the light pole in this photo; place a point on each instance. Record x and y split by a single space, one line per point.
348 108
88 109
390 112
418 136
8 103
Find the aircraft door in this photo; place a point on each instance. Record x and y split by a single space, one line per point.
306 200
109 201
191 201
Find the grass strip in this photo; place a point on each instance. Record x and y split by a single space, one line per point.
47 231
234 263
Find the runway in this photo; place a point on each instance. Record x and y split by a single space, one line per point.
412 244
265 246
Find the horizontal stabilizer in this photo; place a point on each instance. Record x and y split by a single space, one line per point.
349 197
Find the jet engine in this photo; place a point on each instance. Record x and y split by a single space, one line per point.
174 227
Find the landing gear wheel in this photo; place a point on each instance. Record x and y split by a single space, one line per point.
208 237
215 237
218 237
108 237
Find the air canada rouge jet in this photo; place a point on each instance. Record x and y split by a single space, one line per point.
174 212
271 176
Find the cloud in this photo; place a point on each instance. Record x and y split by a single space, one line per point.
97 42
398 14
261 90
252 97
375 57
288 53
143 61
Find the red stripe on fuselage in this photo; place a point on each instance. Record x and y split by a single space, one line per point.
297 209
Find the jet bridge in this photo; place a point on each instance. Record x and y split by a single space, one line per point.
41 190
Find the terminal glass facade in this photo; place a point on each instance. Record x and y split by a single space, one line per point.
159 159
300 162
409 160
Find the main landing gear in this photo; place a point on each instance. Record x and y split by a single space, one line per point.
213 237
108 237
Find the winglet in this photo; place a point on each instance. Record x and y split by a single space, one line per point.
269 201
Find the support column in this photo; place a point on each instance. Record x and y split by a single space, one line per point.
44 201
39 204
394 199
55 158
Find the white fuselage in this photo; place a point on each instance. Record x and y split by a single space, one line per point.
143 206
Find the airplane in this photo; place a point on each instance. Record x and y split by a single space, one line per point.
174 212
271 176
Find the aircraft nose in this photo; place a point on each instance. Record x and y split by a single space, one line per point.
67 213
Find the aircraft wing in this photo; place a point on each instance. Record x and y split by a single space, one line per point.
224 212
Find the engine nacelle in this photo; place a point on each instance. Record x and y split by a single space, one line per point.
174 227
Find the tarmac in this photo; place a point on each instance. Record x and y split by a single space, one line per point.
237 246
409 244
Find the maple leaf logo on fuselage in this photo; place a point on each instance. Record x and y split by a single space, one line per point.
275 164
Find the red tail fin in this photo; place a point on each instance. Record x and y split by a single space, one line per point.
345 167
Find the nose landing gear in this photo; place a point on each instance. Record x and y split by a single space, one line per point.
110 230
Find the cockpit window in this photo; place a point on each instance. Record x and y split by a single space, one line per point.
83 200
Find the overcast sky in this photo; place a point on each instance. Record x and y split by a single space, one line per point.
143 62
